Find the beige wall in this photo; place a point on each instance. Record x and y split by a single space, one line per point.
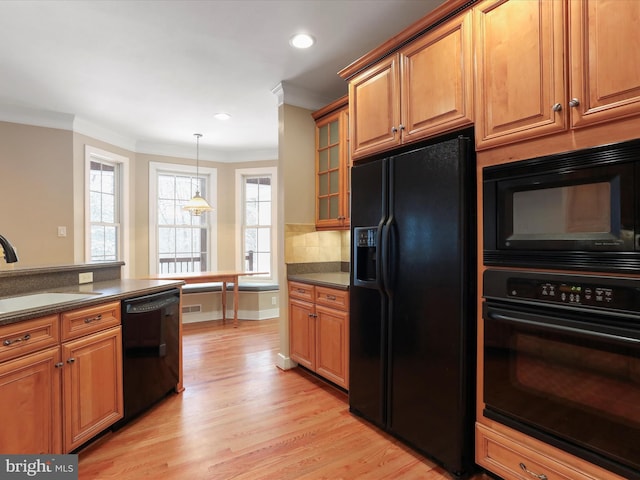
42 187
36 185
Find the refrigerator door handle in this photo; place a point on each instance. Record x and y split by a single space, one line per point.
380 257
386 255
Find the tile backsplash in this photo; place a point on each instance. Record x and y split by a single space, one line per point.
303 244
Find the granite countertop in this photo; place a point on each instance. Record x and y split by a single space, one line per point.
101 292
339 280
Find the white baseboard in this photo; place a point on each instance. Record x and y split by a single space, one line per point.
285 363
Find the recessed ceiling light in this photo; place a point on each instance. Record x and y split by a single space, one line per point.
302 40
222 116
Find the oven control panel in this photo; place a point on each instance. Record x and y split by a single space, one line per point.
571 293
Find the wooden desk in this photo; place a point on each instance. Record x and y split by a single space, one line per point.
204 277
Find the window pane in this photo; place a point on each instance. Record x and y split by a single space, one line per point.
323 184
323 161
108 208
110 242
250 239
333 207
251 189
108 179
264 217
334 182
262 262
95 208
323 136
166 186
323 208
334 133
251 213
166 212
334 159
264 239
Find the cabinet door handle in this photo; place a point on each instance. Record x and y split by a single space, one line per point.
401 127
557 107
93 319
71 360
394 130
539 476
301 290
8 341
331 297
59 365
574 102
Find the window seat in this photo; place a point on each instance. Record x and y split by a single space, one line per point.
203 301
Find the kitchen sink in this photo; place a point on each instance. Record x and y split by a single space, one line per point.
25 302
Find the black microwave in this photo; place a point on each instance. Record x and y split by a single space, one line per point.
577 210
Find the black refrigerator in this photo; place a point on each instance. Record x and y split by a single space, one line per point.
412 298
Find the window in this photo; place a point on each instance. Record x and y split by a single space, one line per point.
256 215
179 241
105 205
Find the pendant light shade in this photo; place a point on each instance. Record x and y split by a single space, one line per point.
197 205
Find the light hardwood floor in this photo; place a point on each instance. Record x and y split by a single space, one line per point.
241 417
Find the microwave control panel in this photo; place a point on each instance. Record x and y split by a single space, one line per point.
595 295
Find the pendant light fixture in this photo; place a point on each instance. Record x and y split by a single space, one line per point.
197 205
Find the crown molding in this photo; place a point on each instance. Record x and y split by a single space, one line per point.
299 96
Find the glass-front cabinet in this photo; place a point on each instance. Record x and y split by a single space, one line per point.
333 166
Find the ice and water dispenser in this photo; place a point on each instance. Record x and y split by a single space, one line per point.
365 265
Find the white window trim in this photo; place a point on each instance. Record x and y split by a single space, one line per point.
124 249
240 173
212 217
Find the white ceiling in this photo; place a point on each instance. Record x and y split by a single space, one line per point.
146 75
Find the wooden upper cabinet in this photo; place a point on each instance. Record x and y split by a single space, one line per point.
605 63
437 80
424 89
374 109
332 166
548 66
520 70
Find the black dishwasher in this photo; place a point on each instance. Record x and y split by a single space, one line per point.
150 349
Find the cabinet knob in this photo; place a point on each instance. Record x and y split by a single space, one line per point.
539 476
71 360
401 127
574 102
59 365
557 107
394 130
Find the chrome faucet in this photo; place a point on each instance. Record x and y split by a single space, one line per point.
9 252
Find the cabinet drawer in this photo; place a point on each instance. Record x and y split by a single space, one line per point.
301 291
28 336
77 323
330 297
512 460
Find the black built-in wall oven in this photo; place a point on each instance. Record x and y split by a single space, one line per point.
562 362
561 306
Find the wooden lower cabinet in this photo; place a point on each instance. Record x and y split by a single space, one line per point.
54 399
30 397
302 333
92 379
319 330
517 457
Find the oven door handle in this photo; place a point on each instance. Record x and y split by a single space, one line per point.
563 328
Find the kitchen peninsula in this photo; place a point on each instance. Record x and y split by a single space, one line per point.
61 353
